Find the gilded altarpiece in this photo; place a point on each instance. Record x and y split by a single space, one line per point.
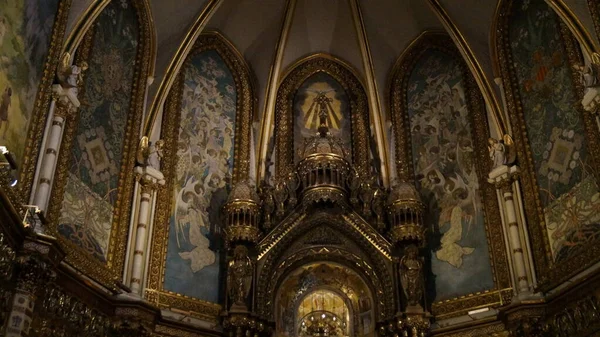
30 36
348 116
91 198
438 118
557 142
207 132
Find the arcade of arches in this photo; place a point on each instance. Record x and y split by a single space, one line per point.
299 168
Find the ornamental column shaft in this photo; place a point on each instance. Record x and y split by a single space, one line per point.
148 179
64 104
503 177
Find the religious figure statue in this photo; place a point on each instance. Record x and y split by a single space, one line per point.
150 154
292 185
70 76
239 276
497 152
379 200
367 193
280 193
354 186
589 74
411 275
268 205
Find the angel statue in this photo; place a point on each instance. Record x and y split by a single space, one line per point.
589 75
239 276
411 275
497 152
150 154
70 76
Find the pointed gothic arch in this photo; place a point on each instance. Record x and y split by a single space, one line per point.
550 272
213 59
476 132
284 113
93 227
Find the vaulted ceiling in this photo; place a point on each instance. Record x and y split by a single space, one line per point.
338 27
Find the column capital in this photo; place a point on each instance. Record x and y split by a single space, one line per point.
591 100
503 176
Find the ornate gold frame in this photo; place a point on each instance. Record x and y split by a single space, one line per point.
39 114
109 273
549 274
155 293
359 110
502 292
272 257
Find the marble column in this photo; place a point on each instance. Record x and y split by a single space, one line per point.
148 179
504 177
64 105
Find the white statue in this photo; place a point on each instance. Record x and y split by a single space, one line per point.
497 152
150 154
70 76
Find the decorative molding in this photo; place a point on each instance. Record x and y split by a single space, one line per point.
549 274
401 128
110 272
284 126
156 293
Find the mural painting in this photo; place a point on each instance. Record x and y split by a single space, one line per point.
203 173
444 165
306 112
567 188
97 152
25 32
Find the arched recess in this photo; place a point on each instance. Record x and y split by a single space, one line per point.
558 143
90 204
285 114
440 132
343 239
206 127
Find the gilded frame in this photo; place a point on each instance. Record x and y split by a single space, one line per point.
594 7
155 292
502 292
549 273
39 115
359 110
109 273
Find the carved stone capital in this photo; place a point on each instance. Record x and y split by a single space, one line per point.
503 177
591 100
149 178
66 101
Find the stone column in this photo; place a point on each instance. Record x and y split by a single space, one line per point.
149 178
504 177
64 105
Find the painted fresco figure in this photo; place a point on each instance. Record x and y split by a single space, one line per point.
239 276
4 106
411 275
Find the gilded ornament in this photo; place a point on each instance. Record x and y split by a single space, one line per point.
239 278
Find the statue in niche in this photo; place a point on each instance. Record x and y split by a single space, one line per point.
268 204
354 186
411 275
239 276
280 193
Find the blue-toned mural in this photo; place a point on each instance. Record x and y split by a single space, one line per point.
95 165
204 166
25 33
306 112
566 185
444 165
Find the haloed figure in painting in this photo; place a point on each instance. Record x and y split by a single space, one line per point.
4 106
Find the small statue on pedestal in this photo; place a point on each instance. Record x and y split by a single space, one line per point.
239 277
411 275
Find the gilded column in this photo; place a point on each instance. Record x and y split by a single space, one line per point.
64 105
148 179
504 178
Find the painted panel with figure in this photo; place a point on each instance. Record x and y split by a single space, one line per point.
444 165
306 112
25 33
567 188
203 173
97 153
